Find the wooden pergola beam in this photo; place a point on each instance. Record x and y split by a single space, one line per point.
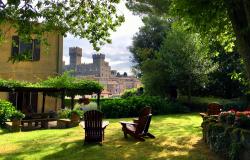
43 105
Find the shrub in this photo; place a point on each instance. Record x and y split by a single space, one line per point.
129 93
17 115
64 113
77 112
6 110
237 106
242 121
130 107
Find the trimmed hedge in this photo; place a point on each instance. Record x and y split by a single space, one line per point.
231 142
200 103
129 107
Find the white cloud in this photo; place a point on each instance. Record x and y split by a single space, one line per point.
117 53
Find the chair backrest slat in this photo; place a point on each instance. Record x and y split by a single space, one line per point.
143 121
93 125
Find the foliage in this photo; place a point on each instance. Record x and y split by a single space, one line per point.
237 106
223 140
181 62
64 113
148 40
6 111
222 21
227 81
17 115
132 92
77 112
243 121
130 106
201 103
93 20
67 113
71 85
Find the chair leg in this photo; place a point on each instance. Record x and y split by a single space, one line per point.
140 138
150 135
125 134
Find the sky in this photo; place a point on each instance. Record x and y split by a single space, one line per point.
117 53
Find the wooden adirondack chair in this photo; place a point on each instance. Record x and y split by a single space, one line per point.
139 128
94 126
213 109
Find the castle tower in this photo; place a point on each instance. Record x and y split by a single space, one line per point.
102 67
98 59
75 54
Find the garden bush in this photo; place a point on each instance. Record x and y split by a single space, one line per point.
237 106
66 113
6 110
130 107
229 141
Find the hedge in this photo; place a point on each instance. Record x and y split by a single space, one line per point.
129 107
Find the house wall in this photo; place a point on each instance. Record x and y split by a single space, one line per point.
50 63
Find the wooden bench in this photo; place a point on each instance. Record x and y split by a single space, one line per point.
44 122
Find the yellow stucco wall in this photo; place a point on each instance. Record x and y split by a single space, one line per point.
50 63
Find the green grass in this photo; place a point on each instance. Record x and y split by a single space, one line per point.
177 137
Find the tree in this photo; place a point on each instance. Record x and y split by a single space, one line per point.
93 20
148 40
181 62
125 74
225 20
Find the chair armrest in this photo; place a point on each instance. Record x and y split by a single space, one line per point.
136 120
124 122
203 115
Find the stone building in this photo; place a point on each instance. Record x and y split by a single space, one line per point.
100 71
45 61
99 67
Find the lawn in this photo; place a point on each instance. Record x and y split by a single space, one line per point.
177 137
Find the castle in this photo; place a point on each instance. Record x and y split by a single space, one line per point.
100 71
99 68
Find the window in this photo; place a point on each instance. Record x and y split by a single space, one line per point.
19 48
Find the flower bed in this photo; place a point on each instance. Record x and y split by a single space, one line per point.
229 134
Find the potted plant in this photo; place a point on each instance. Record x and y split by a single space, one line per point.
75 115
16 117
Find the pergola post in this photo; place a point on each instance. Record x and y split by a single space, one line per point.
43 105
62 99
72 102
98 100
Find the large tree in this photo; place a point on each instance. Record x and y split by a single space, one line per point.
147 42
91 19
225 20
181 63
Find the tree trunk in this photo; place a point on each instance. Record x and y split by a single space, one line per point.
189 90
239 14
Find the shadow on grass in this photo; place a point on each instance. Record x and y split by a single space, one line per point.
4 131
76 150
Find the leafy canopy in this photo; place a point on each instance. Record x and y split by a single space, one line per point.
182 62
91 19
71 85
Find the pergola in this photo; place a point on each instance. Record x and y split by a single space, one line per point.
59 87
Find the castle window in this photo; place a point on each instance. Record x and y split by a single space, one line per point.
31 48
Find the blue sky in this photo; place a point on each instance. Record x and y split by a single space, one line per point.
117 53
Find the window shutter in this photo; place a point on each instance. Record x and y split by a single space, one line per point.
36 51
15 46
